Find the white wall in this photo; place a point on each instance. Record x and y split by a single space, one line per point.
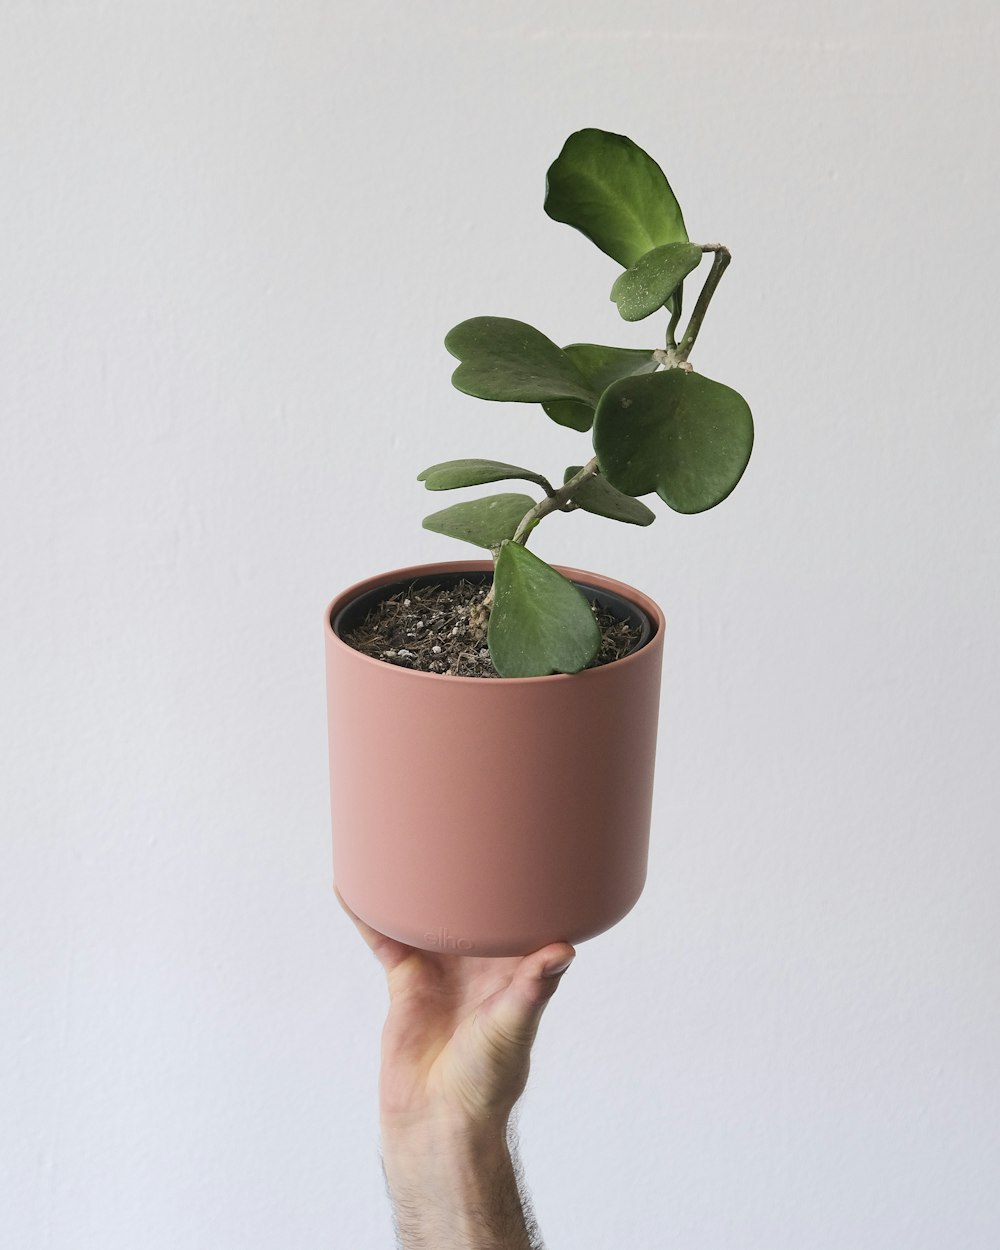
233 237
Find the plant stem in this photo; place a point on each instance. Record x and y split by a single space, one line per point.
673 357
675 316
553 502
720 260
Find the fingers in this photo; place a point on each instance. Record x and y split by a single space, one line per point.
515 1013
387 950
538 975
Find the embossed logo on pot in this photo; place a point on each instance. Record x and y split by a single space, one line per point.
447 941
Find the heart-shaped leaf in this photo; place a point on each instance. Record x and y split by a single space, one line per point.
679 434
451 474
510 360
653 278
540 623
597 495
601 366
485 522
608 188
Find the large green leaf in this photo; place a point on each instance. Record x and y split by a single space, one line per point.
540 623
451 474
607 187
601 366
653 278
679 434
485 522
597 495
510 360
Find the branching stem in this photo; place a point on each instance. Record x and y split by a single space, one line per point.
674 356
558 501
553 502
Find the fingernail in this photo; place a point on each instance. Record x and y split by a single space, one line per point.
555 970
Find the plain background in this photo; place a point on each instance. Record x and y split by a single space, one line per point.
233 238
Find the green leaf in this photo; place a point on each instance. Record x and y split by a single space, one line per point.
571 413
509 360
653 279
597 495
679 434
540 623
451 474
485 522
607 187
601 366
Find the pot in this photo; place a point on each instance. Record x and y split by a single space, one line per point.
490 816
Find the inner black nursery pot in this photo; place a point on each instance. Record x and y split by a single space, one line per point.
625 627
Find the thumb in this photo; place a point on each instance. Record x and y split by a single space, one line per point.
514 1014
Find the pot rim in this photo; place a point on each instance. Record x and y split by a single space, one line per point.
636 597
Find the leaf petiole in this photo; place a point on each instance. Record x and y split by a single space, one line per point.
720 260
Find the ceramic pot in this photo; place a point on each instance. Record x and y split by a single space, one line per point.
490 816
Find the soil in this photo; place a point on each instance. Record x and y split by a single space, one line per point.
437 629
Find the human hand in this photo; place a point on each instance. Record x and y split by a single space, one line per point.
455 1055
457 1039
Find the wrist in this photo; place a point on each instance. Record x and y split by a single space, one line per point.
453 1186
422 1144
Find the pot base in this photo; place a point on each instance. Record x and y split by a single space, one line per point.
449 939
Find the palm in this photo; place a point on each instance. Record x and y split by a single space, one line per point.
458 1035
435 1050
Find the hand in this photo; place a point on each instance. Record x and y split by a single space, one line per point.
455 1054
457 1040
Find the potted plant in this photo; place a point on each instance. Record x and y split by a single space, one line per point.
492 724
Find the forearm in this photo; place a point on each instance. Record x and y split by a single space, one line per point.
455 1191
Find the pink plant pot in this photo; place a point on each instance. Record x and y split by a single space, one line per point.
491 816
